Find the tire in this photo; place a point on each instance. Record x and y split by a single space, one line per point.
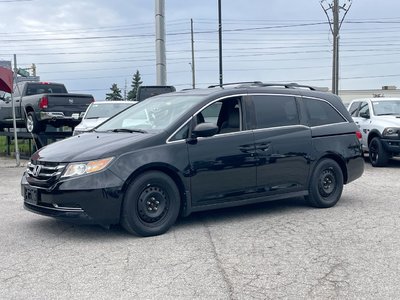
151 204
32 124
377 154
326 184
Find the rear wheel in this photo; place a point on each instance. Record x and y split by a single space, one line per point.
326 184
151 204
32 124
377 154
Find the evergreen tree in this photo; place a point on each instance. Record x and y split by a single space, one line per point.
136 82
115 93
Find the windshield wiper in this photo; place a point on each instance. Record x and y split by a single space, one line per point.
388 114
128 130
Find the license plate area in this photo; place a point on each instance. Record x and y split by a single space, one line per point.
31 196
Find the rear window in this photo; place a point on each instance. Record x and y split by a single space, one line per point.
37 88
321 113
275 111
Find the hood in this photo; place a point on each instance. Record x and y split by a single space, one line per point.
389 120
90 146
88 124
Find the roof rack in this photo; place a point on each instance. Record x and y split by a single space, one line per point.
247 83
291 85
261 84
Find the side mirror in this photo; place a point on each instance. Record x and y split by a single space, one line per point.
365 115
205 130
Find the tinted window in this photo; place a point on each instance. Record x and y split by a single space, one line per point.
321 113
38 88
273 111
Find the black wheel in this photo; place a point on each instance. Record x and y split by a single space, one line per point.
32 124
326 184
151 204
377 154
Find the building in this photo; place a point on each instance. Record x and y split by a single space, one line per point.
386 91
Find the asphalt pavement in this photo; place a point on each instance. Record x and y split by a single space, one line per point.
275 250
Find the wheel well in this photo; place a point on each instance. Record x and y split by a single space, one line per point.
371 136
172 174
341 164
28 109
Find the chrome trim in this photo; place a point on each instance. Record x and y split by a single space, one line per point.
279 127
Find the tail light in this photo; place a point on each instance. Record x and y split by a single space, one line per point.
359 134
43 102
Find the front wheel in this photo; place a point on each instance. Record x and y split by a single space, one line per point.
151 204
377 154
326 184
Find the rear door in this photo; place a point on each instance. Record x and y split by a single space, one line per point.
282 145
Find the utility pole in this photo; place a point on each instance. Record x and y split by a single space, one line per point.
192 64
13 114
335 24
220 42
161 61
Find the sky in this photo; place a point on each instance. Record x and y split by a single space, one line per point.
89 45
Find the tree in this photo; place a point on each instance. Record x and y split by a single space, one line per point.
115 93
136 82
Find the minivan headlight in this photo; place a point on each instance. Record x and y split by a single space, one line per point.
82 168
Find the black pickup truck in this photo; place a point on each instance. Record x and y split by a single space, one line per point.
40 103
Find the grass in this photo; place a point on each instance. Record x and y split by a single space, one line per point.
23 146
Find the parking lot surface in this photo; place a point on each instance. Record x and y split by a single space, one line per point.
275 250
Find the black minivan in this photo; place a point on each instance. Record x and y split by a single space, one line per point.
194 150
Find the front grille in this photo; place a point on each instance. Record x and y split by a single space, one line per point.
43 173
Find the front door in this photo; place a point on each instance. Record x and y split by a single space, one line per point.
223 166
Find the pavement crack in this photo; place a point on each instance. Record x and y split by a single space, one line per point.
220 266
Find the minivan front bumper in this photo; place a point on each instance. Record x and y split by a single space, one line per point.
86 206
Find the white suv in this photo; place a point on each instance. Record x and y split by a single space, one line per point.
379 122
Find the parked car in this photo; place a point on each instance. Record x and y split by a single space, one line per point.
269 142
147 91
40 103
379 122
98 112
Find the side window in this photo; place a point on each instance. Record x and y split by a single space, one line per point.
182 134
211 113
226 114
274 111
364 109
321 113
354 108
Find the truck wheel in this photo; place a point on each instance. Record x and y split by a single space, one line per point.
151 204
377 154
326 184
32 124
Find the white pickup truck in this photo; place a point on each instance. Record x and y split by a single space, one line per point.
379 122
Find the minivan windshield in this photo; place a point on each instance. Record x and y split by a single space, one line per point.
153 114
105 110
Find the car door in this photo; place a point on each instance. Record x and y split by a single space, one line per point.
282 145
222 166
363 120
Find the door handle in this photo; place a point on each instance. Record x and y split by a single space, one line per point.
263 146
247 148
